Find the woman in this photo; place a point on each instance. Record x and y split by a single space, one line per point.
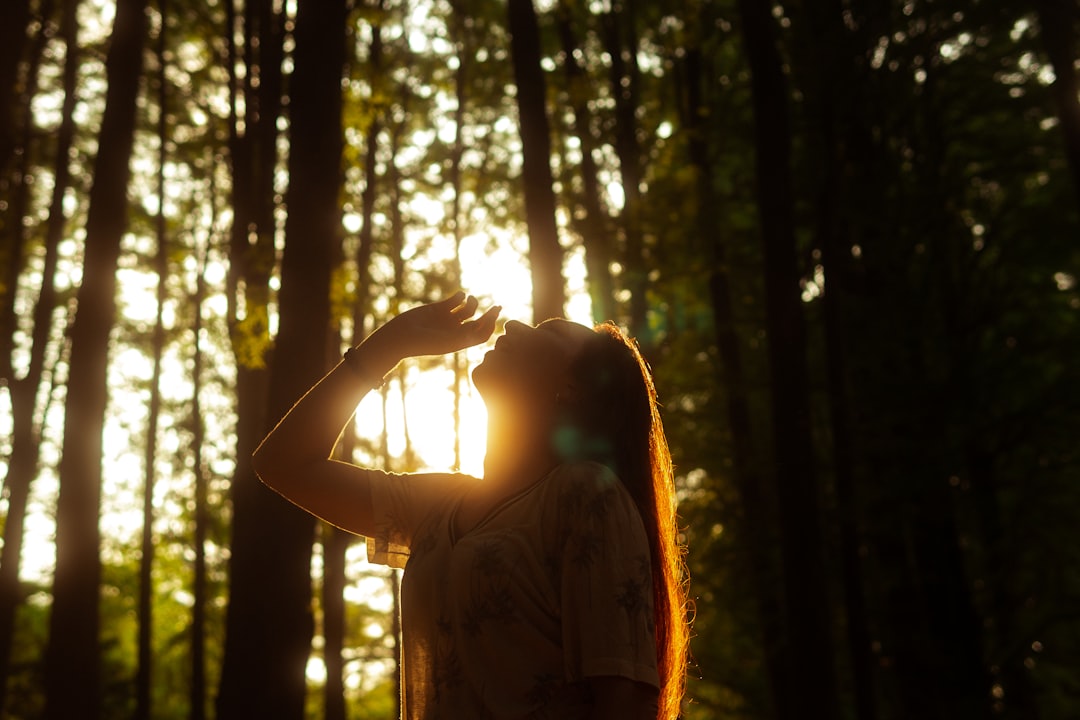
551 587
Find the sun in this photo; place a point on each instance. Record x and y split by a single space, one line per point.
420 402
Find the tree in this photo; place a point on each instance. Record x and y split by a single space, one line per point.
545 253
808 622
253 155
593 224
26 435
1057 23
14 19
269 642
72 659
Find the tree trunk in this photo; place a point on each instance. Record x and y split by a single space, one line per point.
269 641
463 53
545 253
593 225
251 258
26 435
754 531
1057 22
828 59
14 19
809 624
620 41
334 542
72 655
15 182
145 618
197 709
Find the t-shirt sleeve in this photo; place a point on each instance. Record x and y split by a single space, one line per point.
606 584
401 503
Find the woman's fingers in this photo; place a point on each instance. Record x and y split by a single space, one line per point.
465 309
484 325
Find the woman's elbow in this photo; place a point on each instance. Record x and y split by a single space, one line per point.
268 465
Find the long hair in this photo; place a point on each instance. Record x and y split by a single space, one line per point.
615 406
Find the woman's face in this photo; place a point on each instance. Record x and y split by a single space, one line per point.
530 364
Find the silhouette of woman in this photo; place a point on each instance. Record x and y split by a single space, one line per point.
553 586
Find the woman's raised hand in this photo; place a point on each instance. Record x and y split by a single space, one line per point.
436 328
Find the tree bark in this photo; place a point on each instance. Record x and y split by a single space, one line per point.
334 542
72 655
810 666
253 154
199 593
270 641
756 560
14 19
593 226
545 253
145 617
620 41
1057 22
15 184
828 58
26 435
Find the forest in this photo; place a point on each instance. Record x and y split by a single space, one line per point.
846 234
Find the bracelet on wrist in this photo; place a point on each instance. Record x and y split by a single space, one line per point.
355 363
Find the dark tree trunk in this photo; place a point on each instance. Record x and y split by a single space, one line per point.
199 595
1057 22
253 154
14 19
371 178
545 253
620 41
145 618
269 641
808 621
461 77
26 435
593 225
15 182
73 656
754 530
334 542
828 57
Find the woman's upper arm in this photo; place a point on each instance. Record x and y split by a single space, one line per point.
338 492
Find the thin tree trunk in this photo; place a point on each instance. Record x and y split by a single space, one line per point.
72 655
14 19
463 54
808 621
826 49
545 253
144 671
26 435
597 240
620 41
754 531
368 195
199 594
334 542
15 194
1057 22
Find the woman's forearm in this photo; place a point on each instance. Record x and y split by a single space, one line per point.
311 428
308 432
